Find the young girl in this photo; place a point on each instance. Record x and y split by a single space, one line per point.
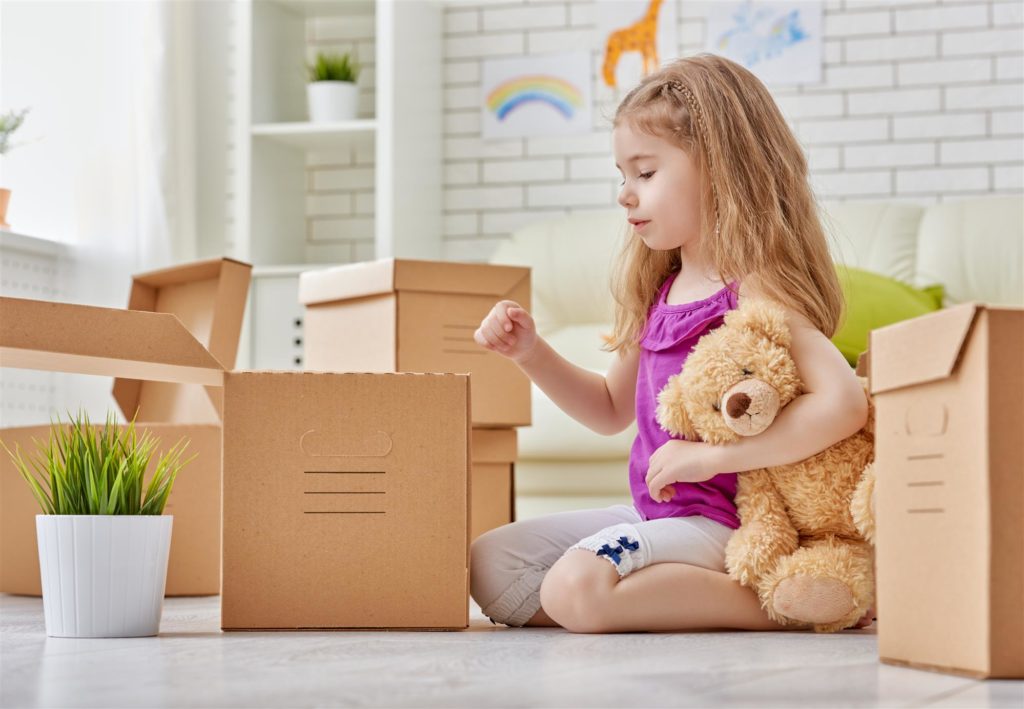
715 189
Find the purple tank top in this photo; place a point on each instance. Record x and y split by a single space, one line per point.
669 336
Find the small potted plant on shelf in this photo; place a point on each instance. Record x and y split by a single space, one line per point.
9 122
332 92
103 538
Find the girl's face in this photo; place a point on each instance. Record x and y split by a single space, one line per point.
660 189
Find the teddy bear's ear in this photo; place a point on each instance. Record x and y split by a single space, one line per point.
671 413
765 317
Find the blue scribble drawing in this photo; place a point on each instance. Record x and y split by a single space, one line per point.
755 38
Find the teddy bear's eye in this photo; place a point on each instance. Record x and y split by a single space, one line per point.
746 372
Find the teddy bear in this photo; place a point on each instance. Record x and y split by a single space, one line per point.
805 537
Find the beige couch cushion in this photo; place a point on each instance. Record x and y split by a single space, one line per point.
974 248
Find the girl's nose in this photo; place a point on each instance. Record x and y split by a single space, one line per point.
626 197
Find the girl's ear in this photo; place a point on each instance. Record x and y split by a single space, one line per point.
764 317
671 413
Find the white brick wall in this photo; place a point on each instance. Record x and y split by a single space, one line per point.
921 101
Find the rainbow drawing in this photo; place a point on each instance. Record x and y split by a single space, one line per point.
534 88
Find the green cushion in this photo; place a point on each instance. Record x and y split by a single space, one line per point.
873 301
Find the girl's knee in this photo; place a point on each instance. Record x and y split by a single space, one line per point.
574 592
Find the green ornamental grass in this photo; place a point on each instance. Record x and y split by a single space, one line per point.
92 470
333 67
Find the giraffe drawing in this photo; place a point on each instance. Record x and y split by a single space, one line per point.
640 37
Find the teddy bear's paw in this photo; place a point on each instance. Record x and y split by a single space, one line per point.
819 600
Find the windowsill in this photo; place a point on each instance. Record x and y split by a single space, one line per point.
13 241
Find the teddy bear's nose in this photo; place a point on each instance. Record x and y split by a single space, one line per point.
737 405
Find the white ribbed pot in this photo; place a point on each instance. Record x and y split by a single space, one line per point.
103 576
331 101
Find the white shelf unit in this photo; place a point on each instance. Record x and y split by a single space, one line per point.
314 136
404 134
274 139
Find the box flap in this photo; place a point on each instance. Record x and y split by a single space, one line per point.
209 299
360 280
355 280
920 350
494 445
44 335
864 364
195 271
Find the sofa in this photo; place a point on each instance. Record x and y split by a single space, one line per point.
974 248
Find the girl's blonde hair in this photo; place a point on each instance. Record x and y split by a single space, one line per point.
759 217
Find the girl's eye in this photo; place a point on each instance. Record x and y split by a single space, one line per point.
642 175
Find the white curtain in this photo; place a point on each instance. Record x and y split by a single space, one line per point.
165 155
108 162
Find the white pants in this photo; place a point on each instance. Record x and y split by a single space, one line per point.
508 563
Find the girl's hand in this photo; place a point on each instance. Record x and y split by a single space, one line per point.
677 462
508 330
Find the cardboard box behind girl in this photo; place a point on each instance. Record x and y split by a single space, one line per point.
208 298
399 315
949 397
493 485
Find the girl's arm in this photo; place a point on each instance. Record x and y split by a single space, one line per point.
602 404
832 408
605 405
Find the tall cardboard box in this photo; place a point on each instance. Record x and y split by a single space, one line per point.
400 315
492 484
949 398
346 501
208 298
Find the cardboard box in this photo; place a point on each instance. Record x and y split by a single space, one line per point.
346 501
492 480
292 559
208 298
949 497
194 564
417 316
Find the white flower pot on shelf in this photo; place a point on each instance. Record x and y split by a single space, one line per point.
103 576
331 101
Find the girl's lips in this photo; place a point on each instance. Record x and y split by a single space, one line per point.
640 226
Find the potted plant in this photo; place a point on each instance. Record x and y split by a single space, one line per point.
103 538
332 93
9 122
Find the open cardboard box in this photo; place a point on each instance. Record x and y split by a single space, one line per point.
949 498
346 496
208 298
417 316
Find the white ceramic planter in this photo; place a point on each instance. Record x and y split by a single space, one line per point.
332 101
103 576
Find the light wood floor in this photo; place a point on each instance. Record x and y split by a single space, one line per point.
192 663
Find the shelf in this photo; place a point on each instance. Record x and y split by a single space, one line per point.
327 8
313 136
288 270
